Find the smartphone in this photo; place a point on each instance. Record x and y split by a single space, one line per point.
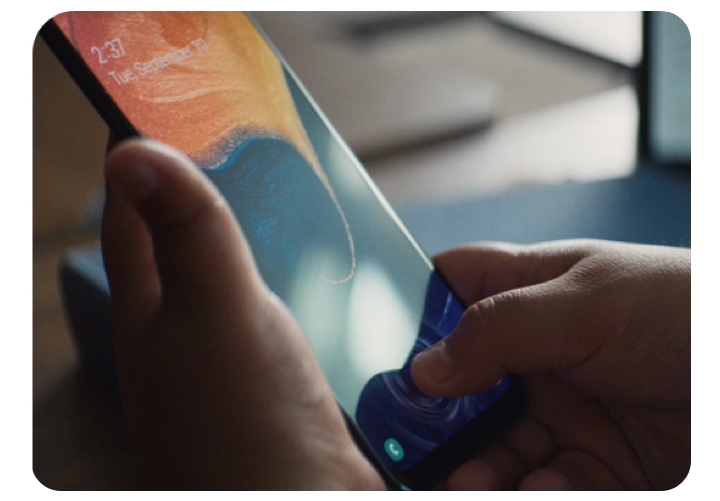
324 238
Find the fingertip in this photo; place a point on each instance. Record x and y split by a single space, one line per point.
128 171
473 476
137 165
464 363
137 180
431 367
546 479
198 247
166 187
437 374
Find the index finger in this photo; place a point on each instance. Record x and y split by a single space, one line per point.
476 272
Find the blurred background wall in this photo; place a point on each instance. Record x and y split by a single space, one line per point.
447 105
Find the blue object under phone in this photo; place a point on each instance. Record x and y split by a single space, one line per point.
396 417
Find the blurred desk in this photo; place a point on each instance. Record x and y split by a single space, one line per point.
651 207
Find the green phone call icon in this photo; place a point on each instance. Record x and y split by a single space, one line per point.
394 449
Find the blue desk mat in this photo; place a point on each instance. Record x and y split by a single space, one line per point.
651 207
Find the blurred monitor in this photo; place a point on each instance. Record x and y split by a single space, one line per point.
656 43
665 90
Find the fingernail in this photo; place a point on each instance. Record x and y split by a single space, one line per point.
434 363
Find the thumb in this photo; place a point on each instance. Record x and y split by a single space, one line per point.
219 385
546 326
199 250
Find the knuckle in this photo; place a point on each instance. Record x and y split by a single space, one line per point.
484 314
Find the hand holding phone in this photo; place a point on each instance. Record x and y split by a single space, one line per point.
220 386
324 240
600 333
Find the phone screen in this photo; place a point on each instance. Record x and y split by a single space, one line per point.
324 239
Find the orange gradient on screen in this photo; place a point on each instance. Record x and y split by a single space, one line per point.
196 81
